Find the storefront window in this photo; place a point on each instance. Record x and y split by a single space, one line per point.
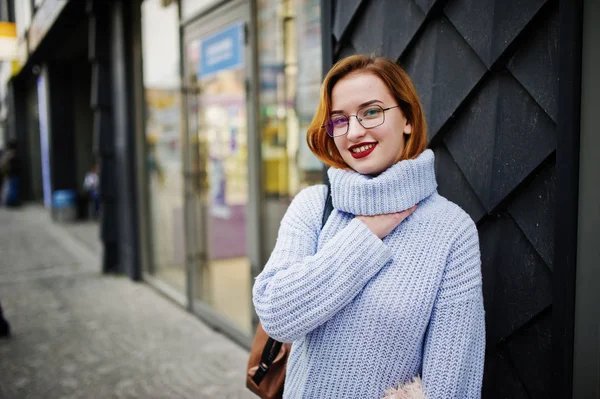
218 128
164 140
189 8
290 78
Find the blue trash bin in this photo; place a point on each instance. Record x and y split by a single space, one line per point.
64 205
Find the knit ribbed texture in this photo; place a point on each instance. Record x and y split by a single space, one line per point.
365 314
396 189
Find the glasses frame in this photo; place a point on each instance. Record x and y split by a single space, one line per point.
358 119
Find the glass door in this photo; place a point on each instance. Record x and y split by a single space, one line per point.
164 145
217 187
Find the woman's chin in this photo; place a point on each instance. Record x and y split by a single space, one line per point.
367 168
373 164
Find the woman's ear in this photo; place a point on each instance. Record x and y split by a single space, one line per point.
407 128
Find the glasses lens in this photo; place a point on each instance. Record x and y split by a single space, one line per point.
337 125
371 116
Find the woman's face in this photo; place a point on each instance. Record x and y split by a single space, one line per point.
368 151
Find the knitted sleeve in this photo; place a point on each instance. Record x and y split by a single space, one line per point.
454 348
300 288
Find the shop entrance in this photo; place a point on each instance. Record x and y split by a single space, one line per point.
216 56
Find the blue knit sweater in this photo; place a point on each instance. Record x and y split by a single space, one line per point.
365 314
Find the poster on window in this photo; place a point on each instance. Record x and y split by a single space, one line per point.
222 51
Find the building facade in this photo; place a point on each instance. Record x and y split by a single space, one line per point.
229 89
196 110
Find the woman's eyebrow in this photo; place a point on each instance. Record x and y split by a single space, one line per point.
337 111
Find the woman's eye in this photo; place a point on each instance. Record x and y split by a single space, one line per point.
370 112
339 121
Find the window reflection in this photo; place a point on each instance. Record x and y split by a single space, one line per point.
164 139
189 8
290 78
219 133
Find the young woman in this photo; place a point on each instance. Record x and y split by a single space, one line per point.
390 288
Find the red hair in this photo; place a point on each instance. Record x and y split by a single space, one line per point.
400 87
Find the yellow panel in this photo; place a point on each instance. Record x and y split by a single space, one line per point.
8 29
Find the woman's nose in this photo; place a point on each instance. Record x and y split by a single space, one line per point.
356 131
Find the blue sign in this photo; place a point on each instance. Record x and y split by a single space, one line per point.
63 198
222 51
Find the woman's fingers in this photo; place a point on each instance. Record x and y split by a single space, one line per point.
406 213
382 225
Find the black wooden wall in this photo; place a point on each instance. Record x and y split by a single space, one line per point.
487 75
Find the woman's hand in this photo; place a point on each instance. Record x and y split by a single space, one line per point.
382 225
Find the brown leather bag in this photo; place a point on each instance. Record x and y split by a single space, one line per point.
266 366
268 358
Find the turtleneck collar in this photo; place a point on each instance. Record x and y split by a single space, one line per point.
397 188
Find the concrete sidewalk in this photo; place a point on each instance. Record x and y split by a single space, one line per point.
78 334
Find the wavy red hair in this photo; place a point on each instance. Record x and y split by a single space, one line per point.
400 87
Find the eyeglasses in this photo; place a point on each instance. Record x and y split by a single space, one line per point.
369 117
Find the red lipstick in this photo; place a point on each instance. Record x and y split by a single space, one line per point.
362 154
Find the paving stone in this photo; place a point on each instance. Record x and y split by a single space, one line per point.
79 334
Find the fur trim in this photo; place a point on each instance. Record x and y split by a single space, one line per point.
410 390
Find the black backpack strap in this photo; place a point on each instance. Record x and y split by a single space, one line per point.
328 206
270 352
